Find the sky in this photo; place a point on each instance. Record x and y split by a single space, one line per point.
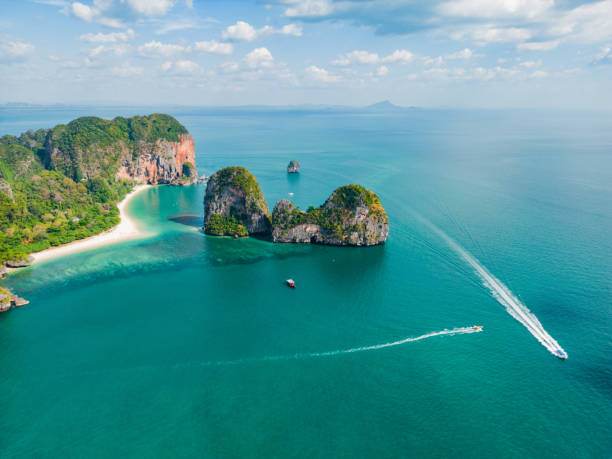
433 53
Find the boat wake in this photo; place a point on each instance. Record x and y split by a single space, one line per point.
313 355
504 296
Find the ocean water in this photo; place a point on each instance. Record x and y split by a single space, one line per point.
188 345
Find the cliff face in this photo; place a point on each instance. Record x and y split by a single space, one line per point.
234 204
160 162
352 215
154 149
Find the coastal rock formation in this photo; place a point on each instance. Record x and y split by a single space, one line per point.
3 271
154 149
9 301
293 167
234 204
21 263
352 215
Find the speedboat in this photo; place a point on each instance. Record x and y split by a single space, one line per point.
561 354
477 327
291 283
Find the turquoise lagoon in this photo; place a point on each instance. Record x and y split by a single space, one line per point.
185 345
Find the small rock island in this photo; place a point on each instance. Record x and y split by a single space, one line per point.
293 167
352 215
234 204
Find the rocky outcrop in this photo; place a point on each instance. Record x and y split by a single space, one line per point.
154 149
5 188
234 204
352 215
3 271
160 162
8 300
293 167
22 263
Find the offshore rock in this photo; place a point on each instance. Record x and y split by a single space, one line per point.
351 216
8 300
234 204
293 167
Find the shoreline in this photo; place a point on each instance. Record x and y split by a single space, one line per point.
126 230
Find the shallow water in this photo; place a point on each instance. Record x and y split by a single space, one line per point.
112 356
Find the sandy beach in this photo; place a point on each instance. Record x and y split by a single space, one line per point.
124 231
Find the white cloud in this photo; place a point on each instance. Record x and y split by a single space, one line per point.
382 70
176 25
366 57
243 31
290 29
491 34
320 74
108 37
189 3
463 54
230 67
113 50
399 55
308 8
433 60
358 57
588 23
157 49
149 7
530 64
14 50
182 67
539 74
214 47
186 67
539 45
259 57
127 70
83 11
495 8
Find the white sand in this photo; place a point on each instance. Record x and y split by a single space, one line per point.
124 231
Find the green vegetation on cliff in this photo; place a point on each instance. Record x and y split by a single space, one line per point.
45 199
221 225
336 215
242 179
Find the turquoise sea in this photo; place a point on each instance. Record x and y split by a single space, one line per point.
187 345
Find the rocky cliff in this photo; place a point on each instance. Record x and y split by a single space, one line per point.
352 215
293 167
9 301
151 149
234 204
160 162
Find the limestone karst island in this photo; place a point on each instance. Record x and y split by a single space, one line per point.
234 205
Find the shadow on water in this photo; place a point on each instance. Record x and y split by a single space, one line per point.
188 219
293 179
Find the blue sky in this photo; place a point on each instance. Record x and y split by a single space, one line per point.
458 53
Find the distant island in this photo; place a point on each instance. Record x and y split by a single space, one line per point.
234 205
62 184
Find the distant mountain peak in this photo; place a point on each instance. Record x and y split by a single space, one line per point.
383 105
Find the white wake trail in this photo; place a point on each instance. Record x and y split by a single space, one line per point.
312 355
503 295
